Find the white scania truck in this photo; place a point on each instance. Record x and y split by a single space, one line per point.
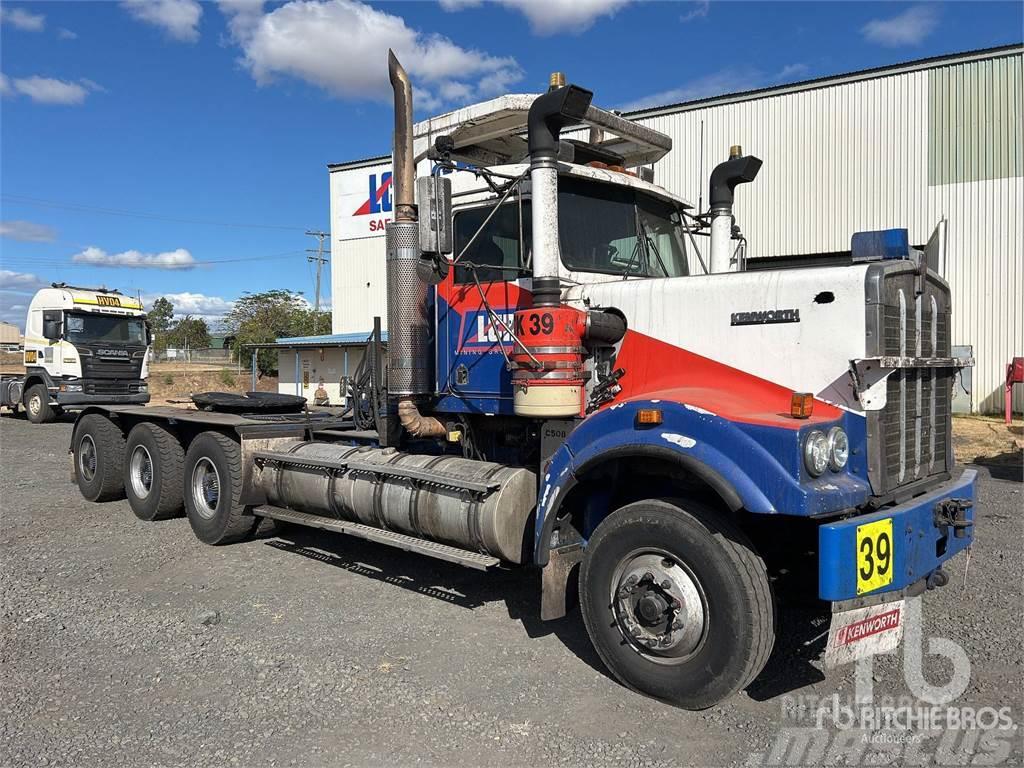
83 346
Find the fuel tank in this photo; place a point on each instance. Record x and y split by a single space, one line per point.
476 505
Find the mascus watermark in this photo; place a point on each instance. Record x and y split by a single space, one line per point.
923 728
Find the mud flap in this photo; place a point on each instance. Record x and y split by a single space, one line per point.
554 577
864 632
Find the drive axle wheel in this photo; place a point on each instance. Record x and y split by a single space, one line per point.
676 601
98 450
213 487
153 472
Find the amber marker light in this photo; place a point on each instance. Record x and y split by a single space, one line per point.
801 405
648 416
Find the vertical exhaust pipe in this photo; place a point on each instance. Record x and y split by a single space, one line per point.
738 169
409 332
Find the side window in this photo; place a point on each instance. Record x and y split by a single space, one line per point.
495 252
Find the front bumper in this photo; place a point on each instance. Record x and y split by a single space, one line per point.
79 398
918 544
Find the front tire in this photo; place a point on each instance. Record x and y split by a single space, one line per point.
98 450
153 472
676 602
37 405
213 487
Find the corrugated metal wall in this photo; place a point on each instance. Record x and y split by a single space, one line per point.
358 285
855 156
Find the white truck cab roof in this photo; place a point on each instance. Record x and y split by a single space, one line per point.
86 300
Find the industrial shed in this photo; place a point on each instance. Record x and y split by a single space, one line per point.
900 146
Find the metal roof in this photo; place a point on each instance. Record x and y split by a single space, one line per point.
777 90
327 340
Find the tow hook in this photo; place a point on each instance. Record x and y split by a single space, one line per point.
937 578
952 513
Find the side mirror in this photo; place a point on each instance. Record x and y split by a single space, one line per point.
434 199
52 324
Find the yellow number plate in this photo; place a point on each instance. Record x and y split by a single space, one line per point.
875 555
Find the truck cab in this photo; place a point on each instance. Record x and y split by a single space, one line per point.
83 346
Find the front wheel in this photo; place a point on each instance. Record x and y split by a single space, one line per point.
37 405
677 602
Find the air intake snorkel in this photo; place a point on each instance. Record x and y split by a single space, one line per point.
738 169
549 114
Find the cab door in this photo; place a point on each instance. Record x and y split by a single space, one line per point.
476 305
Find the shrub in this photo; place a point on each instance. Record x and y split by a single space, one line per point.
168 379
227 378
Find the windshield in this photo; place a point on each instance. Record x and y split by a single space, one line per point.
110 329
619 231
603 228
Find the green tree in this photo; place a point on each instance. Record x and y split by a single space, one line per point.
161 316
189 333
259 318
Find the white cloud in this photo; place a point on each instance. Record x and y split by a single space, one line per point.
908 28
16 288
715 84
700 12
178 18
44 90
66 34
177 259
210 308
341 45
21 19
27 231
548 17
791 72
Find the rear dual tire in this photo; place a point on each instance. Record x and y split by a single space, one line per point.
154 472
98 448
213 486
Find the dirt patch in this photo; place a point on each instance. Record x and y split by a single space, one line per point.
170 384
988 440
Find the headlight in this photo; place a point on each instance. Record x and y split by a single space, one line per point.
71 387
816 451
143 387
838 448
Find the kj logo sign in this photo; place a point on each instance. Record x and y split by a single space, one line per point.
363 201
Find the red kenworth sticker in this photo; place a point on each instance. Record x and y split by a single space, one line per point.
872 625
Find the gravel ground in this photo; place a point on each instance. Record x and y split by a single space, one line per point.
133 644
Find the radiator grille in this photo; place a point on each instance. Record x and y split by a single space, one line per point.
913 432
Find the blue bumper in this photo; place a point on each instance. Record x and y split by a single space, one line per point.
918 545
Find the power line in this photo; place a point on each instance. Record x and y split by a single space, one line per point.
39 202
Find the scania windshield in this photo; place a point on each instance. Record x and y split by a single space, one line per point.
88 328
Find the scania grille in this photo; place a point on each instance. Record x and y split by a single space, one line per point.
99 368
111 387
910 439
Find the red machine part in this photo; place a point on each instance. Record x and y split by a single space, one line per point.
1014 375
549 353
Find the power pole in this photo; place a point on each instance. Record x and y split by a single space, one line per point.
320 260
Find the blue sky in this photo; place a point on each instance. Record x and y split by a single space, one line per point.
171 147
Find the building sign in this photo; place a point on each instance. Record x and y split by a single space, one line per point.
363 202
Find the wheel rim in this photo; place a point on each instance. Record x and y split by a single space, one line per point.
141 472
205 488
35 404
87 458
659 606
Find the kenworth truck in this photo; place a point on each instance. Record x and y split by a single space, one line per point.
83 346
570 384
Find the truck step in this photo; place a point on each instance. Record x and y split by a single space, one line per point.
400 540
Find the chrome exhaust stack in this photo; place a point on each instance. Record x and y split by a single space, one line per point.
410 375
